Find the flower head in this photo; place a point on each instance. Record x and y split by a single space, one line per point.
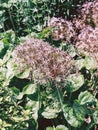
90 10
46 62
62 29
88 15
87 40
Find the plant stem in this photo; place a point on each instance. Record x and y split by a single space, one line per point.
60 99
39 95
70 96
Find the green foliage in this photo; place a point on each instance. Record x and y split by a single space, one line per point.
74 82
30 89
59 127
88 62
7 40
74 115
32 15
95 117
12 115
72 103
85 97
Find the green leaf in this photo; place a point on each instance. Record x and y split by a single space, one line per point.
1 62
74 115
61 127
85 97
49 128
7 57
15 90
80 63
71 50
74 82
18 94
0 122
34 106
45 32
18 119
30 89
1 45
24 74
88 63
95 117
50 113
9 73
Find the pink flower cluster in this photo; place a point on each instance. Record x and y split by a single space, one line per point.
88 15
87 40
87 26
62 29
46 62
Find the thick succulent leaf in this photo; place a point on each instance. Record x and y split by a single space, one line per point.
85 97
74 82
30 89
74 115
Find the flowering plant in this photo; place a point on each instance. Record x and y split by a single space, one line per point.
49 80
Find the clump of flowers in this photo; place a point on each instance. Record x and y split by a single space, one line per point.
88 15
87 40
46 62
89 12
86 28
62 29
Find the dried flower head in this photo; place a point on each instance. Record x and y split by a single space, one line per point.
62 29
46 62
